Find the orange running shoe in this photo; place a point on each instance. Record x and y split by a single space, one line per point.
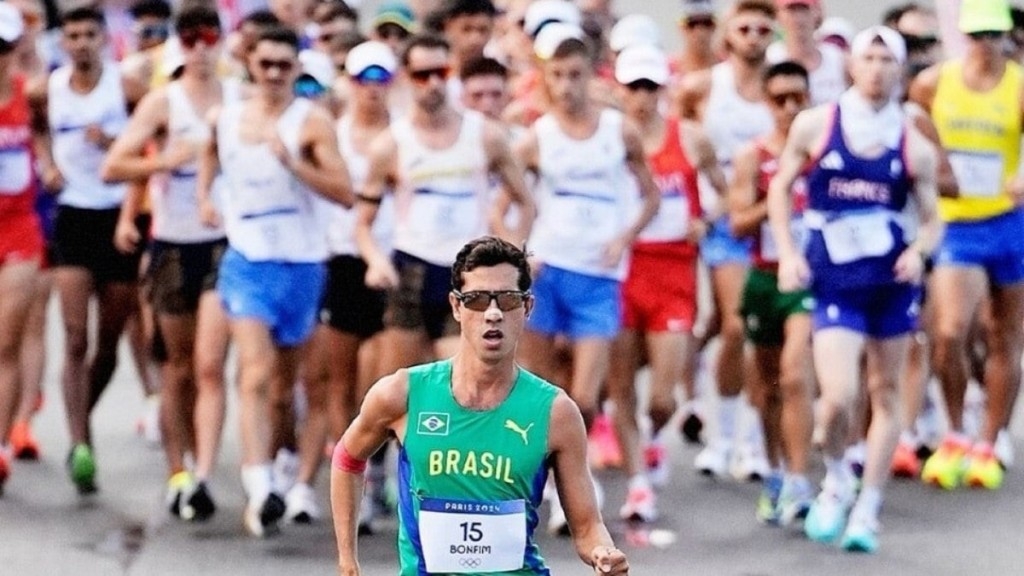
605 451
23 443
905 463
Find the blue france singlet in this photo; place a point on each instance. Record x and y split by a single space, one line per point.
854 214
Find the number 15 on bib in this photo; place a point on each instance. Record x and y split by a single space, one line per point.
460 537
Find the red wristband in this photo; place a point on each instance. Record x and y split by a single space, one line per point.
342 460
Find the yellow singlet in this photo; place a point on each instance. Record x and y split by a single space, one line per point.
981 131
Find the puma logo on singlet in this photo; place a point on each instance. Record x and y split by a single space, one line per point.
509 424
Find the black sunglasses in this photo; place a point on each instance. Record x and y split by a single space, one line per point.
782 98
7 47
986 35
480 300
285 66
694 23
917 43
424 76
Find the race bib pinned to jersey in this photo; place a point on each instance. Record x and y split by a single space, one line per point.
15 171
978 174
857 236
462 537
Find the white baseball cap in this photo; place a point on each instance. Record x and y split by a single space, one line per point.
368 55
891 38
12 26
633 30
317 65
698 8
642 62
543 12
552 36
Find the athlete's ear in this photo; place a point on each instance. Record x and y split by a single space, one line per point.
528 305
456 309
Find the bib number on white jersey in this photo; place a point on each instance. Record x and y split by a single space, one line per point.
977 174
858 236
460 537
15 171
449 214
672 221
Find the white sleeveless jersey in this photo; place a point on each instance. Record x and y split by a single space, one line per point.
442 196
268 213
730 121
584 196
173 195
78 160
828 81
341 226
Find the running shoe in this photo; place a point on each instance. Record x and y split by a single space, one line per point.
301 506
767 511
177 486
692 428
196 503
855 456
558 524
795 500
945 468
904 461
657 464
262 517
640 506
82 468
861 535
23 443
983 469
285 471
148 424
366 515
604 448
713 460
5 471
750 463
827 515
1004 449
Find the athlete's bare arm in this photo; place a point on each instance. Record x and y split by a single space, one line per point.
924 162
567 442
38 98
807 129
745 213
922 89
125 159
503 163
319 164
134 91
945 178
383 412
706 163
693 94
636 161
209 166
702 153
382 174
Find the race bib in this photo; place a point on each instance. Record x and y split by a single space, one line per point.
15 171
460 537
854 237
583 214
450 214
672 222
978 174
770 249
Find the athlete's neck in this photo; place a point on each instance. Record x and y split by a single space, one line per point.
650 124
982 64
86 75
694 60
273 105
370 115
803 49
573 112
199 81
6 84
747 76
435 120
480 385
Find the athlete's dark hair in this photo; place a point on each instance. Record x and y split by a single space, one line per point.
85 13
261 18
490 251
786 68
280 35
425 41
197 16
766 7
327 11
1017 16
455 8
891 17
571 47
483 66
151 8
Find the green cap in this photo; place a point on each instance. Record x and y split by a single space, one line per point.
985 16
397 13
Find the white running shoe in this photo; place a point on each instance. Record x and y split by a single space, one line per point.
640 506
713 461
558 524
366 514
657 464
301 506
285 471
262 517
148 424
750 464
1004 449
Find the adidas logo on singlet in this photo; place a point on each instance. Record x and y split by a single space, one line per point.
832 161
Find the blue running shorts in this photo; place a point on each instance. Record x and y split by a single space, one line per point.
995 244
878 312
576 305
721 247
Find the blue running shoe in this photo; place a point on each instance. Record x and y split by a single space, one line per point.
861 535
827 515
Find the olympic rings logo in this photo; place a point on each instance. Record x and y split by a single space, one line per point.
469 562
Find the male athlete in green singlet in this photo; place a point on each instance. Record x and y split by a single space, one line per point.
478 435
